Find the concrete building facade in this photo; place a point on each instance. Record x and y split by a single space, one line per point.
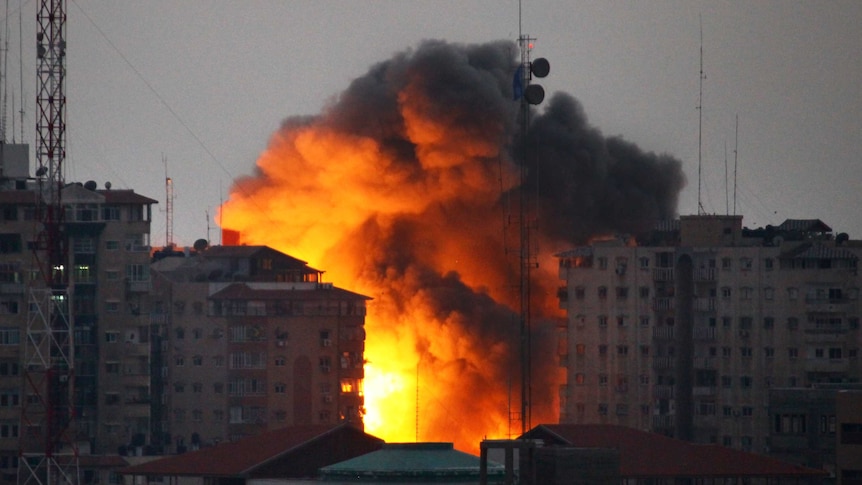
685 331
249 340
107 234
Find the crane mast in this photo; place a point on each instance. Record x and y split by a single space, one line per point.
48 453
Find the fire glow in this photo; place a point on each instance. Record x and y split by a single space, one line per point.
401 191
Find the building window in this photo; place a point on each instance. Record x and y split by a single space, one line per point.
603 379
622 292
9 398
603 409
643 291
622 349
745 382
603 350
112 307
725 292
768 263
179 361
603 292
603 321
197 361
197 388
580 349
603 262
768 322
325 363
745 323
280 362
769 352
745 352
769 293
644 319
726 263
745 264
747 411
643 261
179 387
279 388
580 292
580 378
112 367
726 382
792 293
793 353
746 293
112 337
621 321
218 387
9 307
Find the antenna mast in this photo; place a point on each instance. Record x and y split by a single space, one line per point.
735 160
528 94
169 206
48 453
700 125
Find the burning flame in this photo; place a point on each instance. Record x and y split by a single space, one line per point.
402 190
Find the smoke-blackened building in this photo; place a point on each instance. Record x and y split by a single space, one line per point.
250 340
685 331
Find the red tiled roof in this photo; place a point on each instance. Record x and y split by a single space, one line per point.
644 454
240 457
241 291
125 197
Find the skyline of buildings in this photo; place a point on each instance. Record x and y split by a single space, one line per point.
684 334
687 332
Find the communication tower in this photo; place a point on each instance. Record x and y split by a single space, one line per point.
528 94
48 453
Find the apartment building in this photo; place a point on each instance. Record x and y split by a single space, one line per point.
685 331
108 272
250 340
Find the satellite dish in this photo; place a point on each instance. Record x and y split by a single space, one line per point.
540 67
534 94
200 245
108 185
90 185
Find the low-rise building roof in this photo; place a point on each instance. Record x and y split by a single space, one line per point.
651 455
296 451
406 462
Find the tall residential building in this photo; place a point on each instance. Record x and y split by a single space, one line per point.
250 340
108 268
685 332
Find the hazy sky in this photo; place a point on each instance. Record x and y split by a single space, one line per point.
203 84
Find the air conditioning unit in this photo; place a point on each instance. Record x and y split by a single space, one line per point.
279 343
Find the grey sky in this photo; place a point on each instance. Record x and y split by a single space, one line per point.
205 83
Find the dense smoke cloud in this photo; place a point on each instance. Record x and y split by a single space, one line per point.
403 189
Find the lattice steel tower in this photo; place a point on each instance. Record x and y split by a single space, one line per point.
48 453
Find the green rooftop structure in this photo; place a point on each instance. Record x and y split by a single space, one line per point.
412 463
